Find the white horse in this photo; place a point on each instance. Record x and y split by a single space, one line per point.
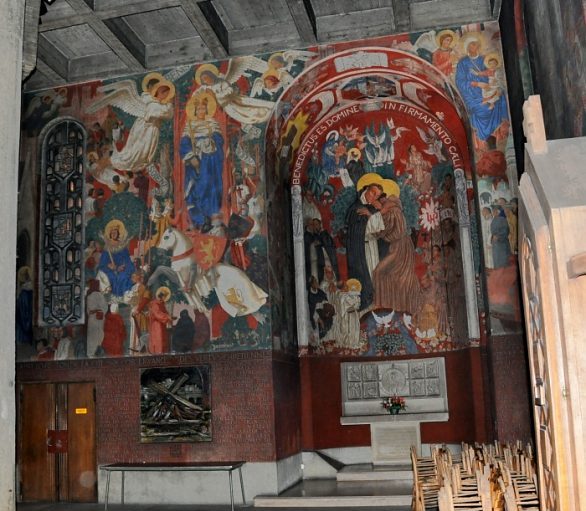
237 294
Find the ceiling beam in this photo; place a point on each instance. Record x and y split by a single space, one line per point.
98 25
52 76
496 9
30 36
204 28
106 14
402 15
304 19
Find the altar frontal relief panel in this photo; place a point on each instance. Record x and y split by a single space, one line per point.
422 383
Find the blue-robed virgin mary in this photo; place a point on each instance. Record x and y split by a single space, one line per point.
202 151
471 77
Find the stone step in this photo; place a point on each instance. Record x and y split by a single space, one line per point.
329 493
395 502
369 472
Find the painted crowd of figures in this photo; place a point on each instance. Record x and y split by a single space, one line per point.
176 241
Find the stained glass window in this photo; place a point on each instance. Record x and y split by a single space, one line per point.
61 293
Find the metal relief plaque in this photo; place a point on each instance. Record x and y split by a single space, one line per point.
369 372
417 370
433 387
354 390
432 369
418 387
370 389
421 381
354 373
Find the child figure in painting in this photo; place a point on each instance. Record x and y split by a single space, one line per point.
495 87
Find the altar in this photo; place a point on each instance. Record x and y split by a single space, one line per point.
422 384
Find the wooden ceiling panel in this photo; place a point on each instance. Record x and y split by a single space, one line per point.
161 26
327 7
89 39
437 13
243 14
104 5
102 65
359 25
77 41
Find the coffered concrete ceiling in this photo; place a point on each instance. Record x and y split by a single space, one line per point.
81 40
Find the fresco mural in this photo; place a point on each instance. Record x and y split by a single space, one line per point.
179 182
381 235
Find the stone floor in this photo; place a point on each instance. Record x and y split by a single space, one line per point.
327 488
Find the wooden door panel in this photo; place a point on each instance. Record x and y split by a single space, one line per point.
81 457
37 465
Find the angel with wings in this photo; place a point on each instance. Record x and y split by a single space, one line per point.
380 150
241 108
151 108
434 144
278 75
441 46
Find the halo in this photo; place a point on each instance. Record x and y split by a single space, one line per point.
274 56
151 76
166 291
443 33
371 178
354 285
390 188
271 72
335 133
492 55
22 274
354 153
202 95
205 67
115 224
468 37
170 96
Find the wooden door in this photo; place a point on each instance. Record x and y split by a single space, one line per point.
38 474
81 456
57 442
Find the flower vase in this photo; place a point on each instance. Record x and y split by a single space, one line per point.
394 410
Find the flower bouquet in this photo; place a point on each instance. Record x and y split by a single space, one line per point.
394 404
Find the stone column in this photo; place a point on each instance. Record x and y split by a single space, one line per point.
467 256
11 28
303 324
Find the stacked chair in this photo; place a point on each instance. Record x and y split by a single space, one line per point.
483 477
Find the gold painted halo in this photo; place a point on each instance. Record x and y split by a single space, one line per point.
210 100
169 97
165 291
371 178
469 37
205 67
390 188
354 153
273 57
492 55
115 224
271 72
354 285
151 76
444 33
